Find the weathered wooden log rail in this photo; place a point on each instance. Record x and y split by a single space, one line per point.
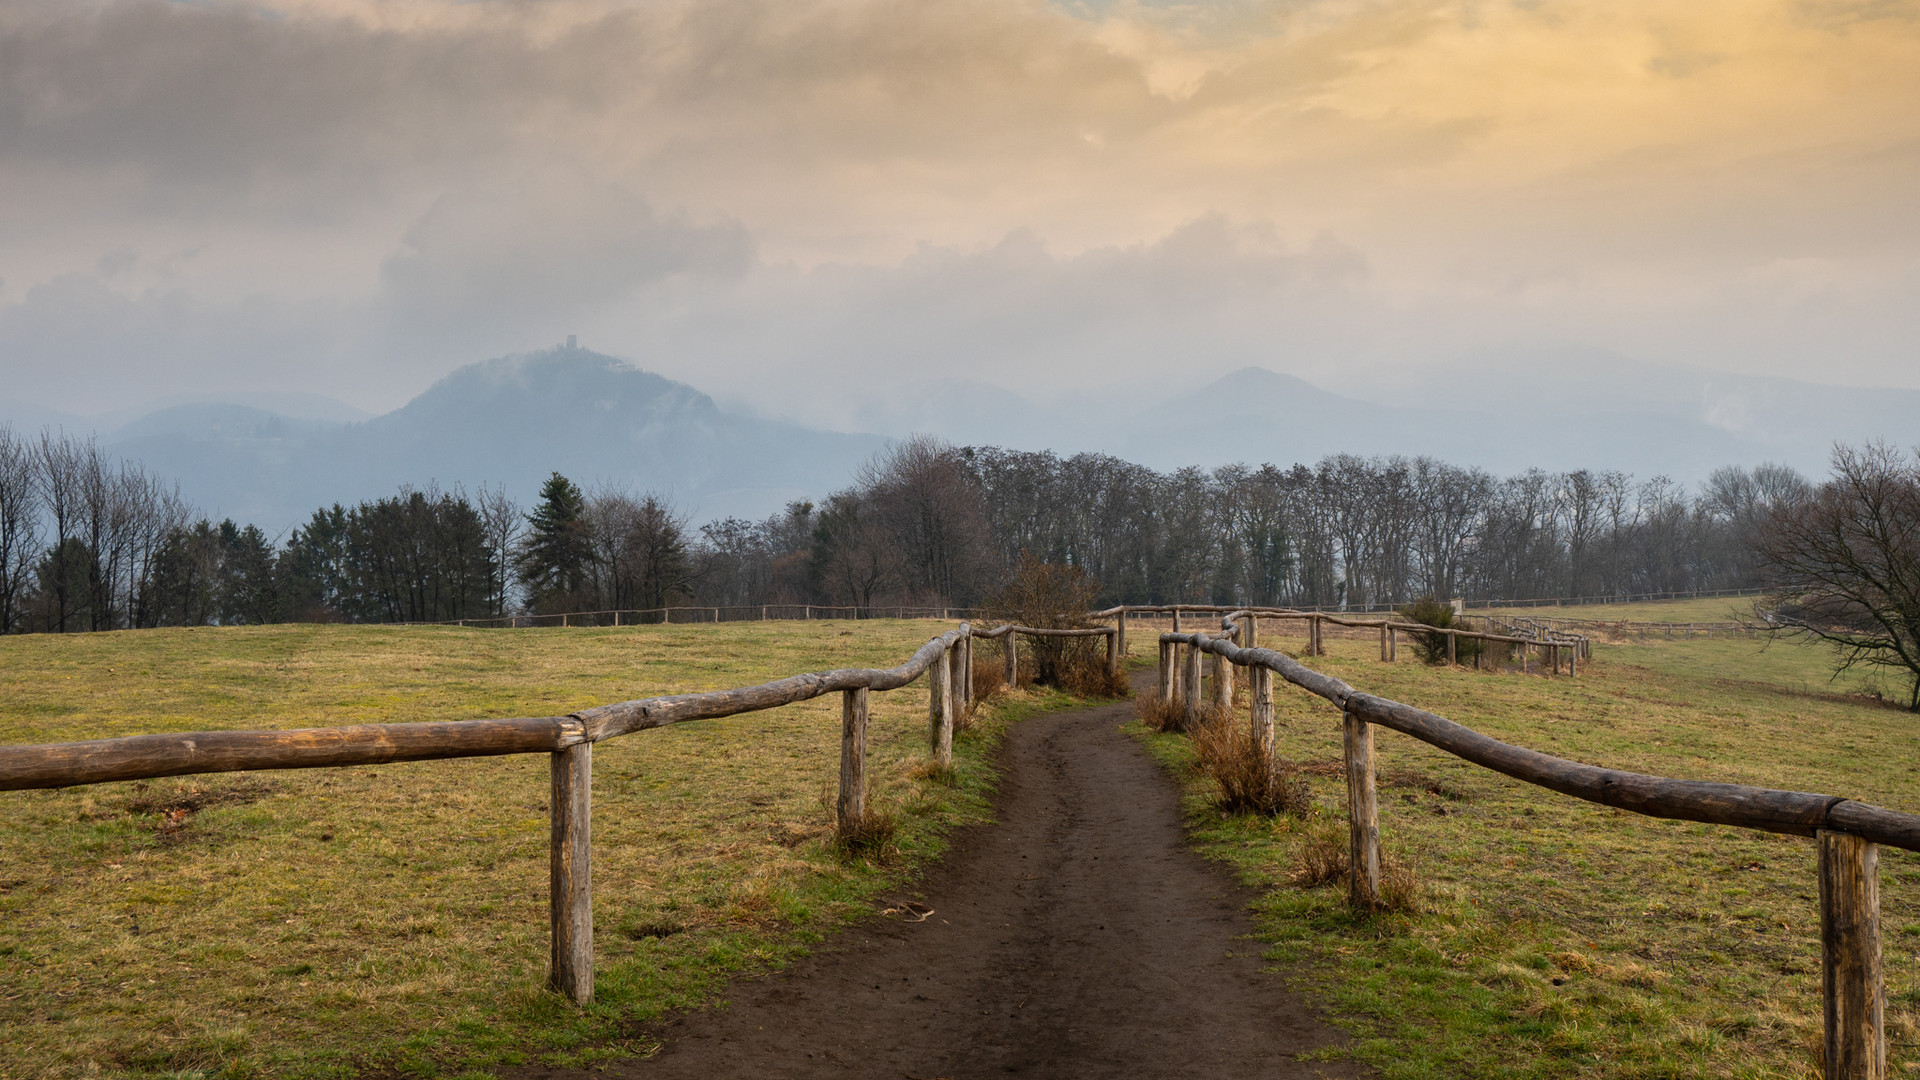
947 660
1847 832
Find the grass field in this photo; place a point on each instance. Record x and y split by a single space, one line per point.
1561 938
1705 609
393 920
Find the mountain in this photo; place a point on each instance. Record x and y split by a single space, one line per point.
504 422
1252 415
273 458
1503 413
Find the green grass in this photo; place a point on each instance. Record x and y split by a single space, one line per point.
393 919
1560 938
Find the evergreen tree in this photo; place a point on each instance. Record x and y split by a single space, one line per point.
558 550
314 567
186 577
249 591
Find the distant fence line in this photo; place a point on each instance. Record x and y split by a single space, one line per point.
1617 598
708 613
711 613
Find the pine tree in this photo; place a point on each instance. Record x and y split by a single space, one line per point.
554 557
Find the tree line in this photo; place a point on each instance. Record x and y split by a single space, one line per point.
927 522
89 543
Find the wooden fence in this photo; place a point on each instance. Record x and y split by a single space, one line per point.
708 613
1554 648
1847 832
1616 598
568 740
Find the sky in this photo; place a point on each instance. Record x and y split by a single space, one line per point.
791 203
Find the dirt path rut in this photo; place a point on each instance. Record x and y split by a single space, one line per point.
1079 937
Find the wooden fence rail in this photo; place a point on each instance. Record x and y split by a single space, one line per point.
947 659
1845 830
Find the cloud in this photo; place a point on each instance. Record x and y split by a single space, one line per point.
362 194
482 266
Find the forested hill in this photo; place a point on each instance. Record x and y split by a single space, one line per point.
505 422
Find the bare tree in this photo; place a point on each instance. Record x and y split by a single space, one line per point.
922 493
504 522
59 475
1843 563
19 526
852 558
639 550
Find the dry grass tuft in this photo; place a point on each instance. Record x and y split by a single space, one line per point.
1322 859
872 835
932 772
1248 779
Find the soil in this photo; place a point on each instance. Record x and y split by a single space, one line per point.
1079 937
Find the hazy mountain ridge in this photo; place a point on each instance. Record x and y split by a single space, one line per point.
601 421
503 422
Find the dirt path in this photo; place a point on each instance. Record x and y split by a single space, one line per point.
1078 938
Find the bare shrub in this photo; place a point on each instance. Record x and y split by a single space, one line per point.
1050 596
1248 779
1157 715
989 677
1085 672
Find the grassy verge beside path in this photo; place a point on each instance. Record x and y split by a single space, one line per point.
1561 938
393 920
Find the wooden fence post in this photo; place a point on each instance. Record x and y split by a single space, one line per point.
1385 655
1452 649
1260 691
1222 682
570 888
1012 658
1363 814
852 807
1249 631
1120 628
1165 687
940 709
963 679
1850 982
1176 619
1393 644
1190 687
1113 652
